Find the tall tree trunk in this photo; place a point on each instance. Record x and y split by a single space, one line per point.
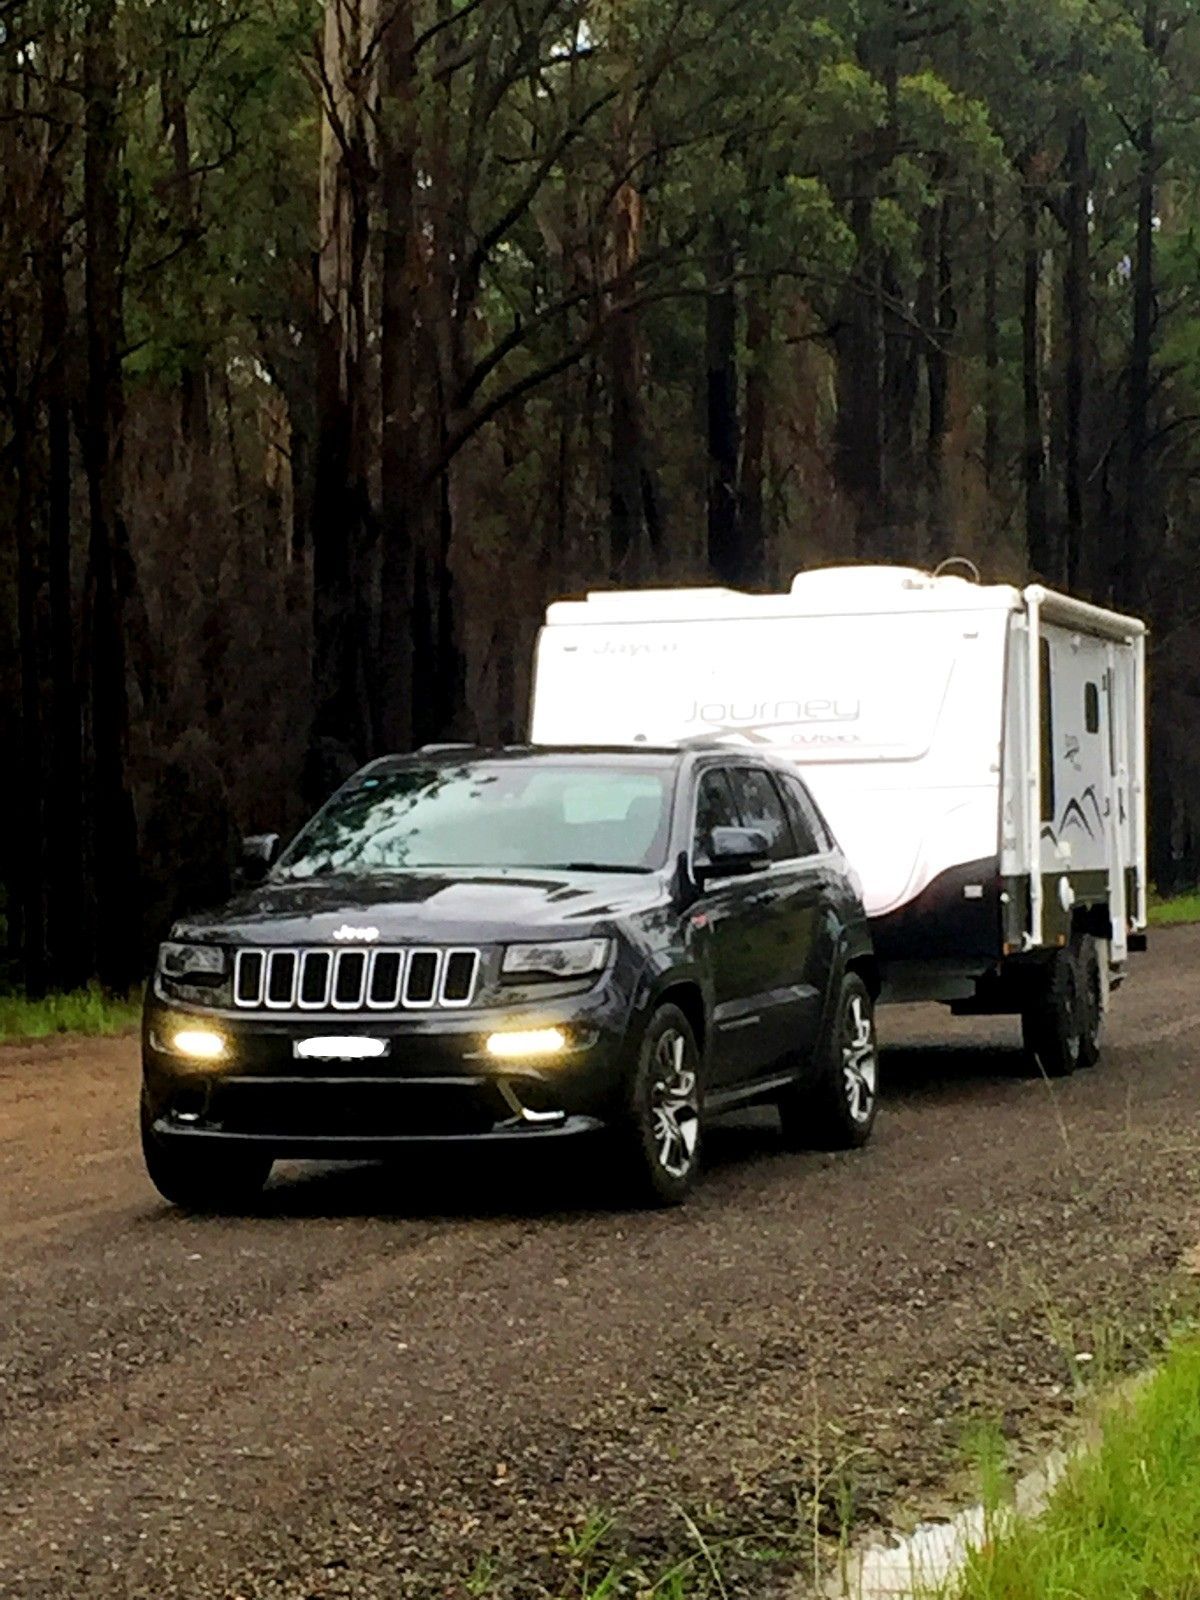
752 479
184 204
1131 568
859 429
111 573
341 734
1075 318
33 778
991 338
634 516
399 464
938 357
439 708
68 919
1037 542
726 557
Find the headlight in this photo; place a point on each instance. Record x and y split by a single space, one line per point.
568 958
192 963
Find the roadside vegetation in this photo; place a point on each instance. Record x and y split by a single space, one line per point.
1125 1519
1178 909
85 1011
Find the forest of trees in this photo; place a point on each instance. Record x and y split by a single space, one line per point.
336 338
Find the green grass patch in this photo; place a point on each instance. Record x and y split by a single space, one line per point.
1124 1523
87 1011
1181 908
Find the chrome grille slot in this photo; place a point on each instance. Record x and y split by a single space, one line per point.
421 982
316 969
458 977
248 977
281 979
383 988
388 979
349 979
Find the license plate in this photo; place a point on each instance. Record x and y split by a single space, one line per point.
338 1047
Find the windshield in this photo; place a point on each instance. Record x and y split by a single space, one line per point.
490 814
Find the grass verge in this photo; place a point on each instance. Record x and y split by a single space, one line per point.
1182 908
87 1011
1125 1520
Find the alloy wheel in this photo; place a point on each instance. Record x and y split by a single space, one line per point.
860 1065
674 1105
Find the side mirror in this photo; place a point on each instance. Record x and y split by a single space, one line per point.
260 851
735 852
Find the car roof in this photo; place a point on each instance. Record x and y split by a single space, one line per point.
449 754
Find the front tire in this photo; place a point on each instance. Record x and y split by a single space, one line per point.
837 1112
1052 1024
659 1137
212 1178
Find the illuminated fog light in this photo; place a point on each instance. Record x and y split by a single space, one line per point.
526 1046
198 1043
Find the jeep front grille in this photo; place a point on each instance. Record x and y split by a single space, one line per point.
419 978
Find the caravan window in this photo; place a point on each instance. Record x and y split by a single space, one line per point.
1047 697
1091 708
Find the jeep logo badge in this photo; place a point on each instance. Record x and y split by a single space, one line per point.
348 935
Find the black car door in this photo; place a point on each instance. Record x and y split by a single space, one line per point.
789 913
823 891
736 914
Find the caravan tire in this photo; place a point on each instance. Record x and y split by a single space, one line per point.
1091 1000
1052 1023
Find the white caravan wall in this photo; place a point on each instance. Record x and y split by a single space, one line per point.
895 719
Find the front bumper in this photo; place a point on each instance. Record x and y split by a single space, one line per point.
436 1085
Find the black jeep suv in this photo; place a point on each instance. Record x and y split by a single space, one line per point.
523 944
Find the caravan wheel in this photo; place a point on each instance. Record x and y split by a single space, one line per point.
1052 1024
1091 1000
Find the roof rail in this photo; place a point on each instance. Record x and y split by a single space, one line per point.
445 749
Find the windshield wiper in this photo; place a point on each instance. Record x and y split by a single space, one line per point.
593 866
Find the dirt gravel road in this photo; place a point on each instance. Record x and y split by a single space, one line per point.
384 1384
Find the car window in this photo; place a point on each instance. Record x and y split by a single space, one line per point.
715 808
812 836
761 807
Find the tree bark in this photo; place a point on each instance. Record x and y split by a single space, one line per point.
111 575
727 558
31 787
634 518
1131 568
341 732
938 356
1075 319
399 468
991 339
193 383
1036 529
752 479
859 429
68 917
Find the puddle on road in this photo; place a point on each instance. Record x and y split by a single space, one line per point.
923 1563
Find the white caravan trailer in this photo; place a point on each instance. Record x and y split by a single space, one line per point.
978 750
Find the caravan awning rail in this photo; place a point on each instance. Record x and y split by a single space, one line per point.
1069 613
